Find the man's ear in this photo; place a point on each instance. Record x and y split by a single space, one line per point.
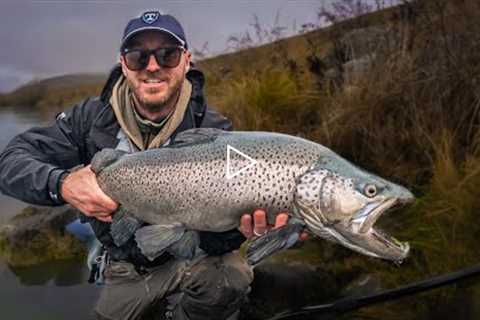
122 63
188 61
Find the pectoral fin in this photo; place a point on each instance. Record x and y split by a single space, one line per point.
274 240
195 136
186 246
155 239
123 226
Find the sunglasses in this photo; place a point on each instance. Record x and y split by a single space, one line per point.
137 59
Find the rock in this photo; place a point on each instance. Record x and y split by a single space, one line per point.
355 70
354 54
362 42
37 235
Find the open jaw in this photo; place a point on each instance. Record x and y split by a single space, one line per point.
358 233
373 240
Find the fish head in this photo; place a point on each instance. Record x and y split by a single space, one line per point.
341 202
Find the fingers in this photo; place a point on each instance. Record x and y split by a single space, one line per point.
81 190
259 222
246 227
255 226
107 219
281 220
303 236
99 197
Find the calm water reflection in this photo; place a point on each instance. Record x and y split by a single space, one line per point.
12 122
50 291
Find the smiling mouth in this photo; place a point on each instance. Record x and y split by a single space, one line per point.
148 81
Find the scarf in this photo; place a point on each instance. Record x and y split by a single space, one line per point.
123 108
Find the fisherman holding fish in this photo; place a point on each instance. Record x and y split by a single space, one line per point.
151 96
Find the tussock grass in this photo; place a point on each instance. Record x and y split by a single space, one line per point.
268 99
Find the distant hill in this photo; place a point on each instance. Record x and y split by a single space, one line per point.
54 93
70 80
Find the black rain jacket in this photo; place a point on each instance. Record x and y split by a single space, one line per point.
32 163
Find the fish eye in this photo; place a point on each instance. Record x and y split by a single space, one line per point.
370 190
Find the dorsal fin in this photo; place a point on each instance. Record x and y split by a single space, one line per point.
104 158
195 136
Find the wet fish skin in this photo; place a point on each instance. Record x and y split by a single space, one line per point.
186 183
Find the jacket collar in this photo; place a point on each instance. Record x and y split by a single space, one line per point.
106 126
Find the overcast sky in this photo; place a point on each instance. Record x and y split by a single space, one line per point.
45 38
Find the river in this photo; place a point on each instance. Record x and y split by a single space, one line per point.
50 291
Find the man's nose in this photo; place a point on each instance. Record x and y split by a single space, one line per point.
152 65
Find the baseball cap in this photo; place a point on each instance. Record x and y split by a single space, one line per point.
154 20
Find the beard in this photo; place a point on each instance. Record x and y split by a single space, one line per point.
147 99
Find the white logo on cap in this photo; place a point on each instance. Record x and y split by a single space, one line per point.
150 17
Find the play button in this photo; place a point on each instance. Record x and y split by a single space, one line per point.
237 162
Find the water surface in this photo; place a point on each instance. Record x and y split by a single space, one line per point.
50 291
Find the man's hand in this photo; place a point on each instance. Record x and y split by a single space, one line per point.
259 225
81 190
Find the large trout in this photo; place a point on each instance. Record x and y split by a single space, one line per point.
184 188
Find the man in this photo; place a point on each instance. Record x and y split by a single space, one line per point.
149 98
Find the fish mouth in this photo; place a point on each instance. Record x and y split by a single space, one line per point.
359 233
380 243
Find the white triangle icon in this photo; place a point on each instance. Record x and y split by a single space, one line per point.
251 162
